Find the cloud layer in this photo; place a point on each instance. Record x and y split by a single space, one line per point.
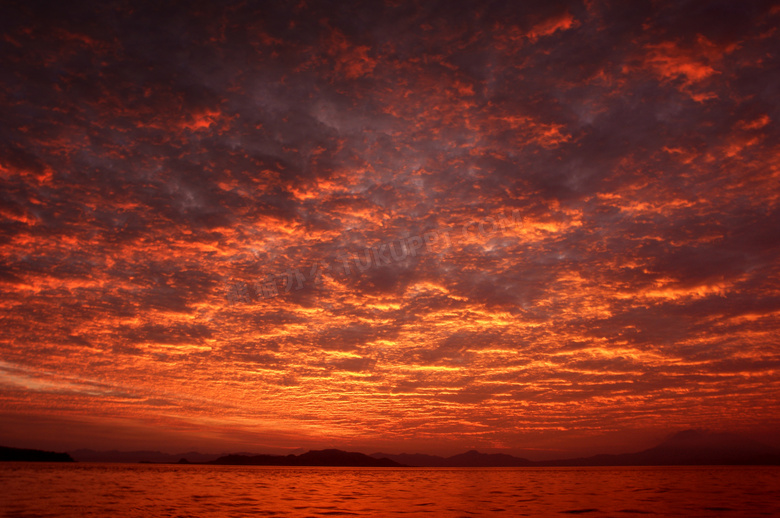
209 213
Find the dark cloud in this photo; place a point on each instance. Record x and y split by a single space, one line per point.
175 177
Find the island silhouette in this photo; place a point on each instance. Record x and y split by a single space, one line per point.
329 457
686 448
26 455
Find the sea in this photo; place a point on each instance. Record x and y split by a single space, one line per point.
160 490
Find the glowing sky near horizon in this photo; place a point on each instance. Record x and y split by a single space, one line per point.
159 161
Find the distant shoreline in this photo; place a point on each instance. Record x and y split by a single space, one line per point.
27 455
686 448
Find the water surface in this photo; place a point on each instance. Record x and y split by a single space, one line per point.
124 490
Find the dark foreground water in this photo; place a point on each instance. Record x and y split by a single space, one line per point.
121 490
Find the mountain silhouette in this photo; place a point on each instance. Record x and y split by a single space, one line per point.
419 460
141 456
689 447
470 459
702 447
488 460
24 455
311 458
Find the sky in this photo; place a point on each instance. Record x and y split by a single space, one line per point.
542 228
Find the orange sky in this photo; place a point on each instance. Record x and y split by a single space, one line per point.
544 228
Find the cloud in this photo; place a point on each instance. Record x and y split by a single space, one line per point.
154 159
